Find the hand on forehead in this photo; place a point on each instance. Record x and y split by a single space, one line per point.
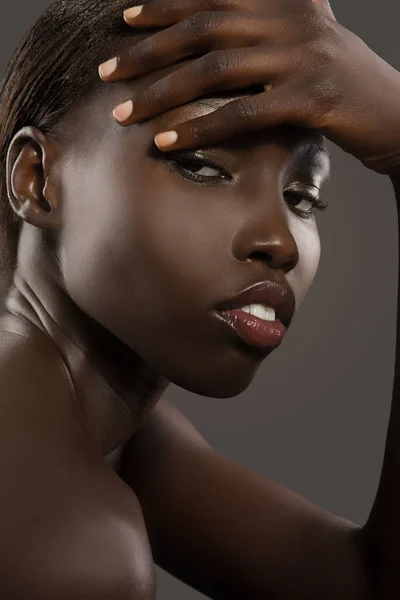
324 4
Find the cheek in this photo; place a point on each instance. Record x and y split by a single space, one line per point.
98 237
173 242
136 253
309 247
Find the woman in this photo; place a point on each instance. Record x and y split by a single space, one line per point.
117 290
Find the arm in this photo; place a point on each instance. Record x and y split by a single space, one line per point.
381 533
223 529
231 533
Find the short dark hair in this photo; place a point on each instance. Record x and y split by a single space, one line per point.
54 65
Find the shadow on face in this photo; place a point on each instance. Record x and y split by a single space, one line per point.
150 241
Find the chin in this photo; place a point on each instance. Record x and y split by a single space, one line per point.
218 382
216 389
222 370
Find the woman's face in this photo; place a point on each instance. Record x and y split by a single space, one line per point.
147 251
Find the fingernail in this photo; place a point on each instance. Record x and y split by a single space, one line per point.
108 67
167 138
123 111
132 13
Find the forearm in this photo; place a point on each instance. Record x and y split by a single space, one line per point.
232 533
256 538
381 533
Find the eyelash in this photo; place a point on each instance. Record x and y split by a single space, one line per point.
317 204
201 162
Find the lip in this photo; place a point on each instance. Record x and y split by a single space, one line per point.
270 293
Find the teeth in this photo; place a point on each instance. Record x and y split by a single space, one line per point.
259 310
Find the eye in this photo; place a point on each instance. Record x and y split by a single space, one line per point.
195 167
207 172
299 199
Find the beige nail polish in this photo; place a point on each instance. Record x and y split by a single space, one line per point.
167 138
108 67
132 13
123 111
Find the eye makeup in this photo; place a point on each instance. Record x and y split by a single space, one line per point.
185 163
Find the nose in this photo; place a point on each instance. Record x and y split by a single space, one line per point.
266 236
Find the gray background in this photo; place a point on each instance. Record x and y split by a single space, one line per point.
316 416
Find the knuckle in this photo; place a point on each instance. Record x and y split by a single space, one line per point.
284 28
243 110
155 95
313 27
217 62
321 56
141 50
323 50
172 8
203 22
316 25
228 4
322 30
325 96
199 132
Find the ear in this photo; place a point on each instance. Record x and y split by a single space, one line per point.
30 175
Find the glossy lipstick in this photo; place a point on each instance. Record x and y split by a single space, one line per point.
251 329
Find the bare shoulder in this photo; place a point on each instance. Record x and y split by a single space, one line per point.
30 366
69 525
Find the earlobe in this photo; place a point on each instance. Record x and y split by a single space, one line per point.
30 158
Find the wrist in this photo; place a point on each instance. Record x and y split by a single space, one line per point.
386 165
379 121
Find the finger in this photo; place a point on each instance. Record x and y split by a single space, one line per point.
219 70
162 13
197 34
325 5
285 105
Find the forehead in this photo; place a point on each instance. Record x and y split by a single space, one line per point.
93 114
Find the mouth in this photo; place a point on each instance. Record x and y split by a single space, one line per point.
260 315
268 294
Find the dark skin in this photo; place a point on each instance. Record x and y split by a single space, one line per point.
94 334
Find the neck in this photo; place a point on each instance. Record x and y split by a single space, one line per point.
113 388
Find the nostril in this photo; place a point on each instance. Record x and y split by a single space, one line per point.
290 265
259 255
45 205
287 265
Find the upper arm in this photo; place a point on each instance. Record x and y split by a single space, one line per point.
230 532
70 529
